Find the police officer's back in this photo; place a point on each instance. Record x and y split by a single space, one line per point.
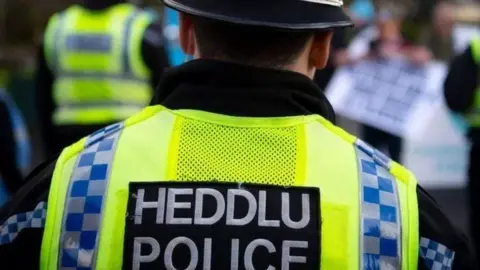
98 64
236 166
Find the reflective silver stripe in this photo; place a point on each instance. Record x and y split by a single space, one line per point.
101 43
59 27
84 204
94 75
380 219
16 223
100 104
127 40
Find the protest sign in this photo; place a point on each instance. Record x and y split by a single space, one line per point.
387 94
407 101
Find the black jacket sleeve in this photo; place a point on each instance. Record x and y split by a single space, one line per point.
461 82
24 251
9 169
436 226
44 103
153 52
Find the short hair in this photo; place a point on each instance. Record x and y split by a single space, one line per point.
252 45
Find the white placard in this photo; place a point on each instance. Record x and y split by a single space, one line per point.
435 148
391 95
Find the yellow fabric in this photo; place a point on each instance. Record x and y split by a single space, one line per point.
102 80
308 151
97 115
148 150
476 49
337 176
139 26
474 116
407 189
267 156
58 192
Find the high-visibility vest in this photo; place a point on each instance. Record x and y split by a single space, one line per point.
369 211
473 116
100 76
21 138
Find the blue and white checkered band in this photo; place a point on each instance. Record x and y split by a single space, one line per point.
435 255
380 238
16 223
85 200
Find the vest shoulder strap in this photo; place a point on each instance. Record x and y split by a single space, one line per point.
476 49
398 171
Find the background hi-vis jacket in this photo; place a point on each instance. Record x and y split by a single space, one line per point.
473 116
97 61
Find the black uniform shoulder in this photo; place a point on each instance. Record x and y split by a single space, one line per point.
461 82
439 235
34 191
22 220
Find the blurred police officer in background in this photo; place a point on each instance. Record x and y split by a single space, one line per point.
462 96
237 166
14 145
98 64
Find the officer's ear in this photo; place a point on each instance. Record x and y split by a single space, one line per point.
320 49
187 37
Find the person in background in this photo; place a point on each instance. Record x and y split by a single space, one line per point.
98 64
439 37
390 45
462 95
14 146
362 13
170 31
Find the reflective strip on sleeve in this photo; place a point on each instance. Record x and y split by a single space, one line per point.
15 224
96 43
99 75
436 255
57 34
380 224
84 203
127 69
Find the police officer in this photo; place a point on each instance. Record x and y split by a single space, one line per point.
237 166
98 64
461 90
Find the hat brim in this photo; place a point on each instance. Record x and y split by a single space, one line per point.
281 14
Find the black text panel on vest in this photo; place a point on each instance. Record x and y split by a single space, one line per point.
218 226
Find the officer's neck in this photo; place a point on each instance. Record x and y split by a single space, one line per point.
100 4
299 66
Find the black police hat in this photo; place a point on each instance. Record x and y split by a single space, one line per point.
282 14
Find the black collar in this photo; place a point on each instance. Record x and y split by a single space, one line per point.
101 4
237 90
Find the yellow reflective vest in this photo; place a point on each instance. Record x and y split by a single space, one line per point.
368 206
473 117
100 76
